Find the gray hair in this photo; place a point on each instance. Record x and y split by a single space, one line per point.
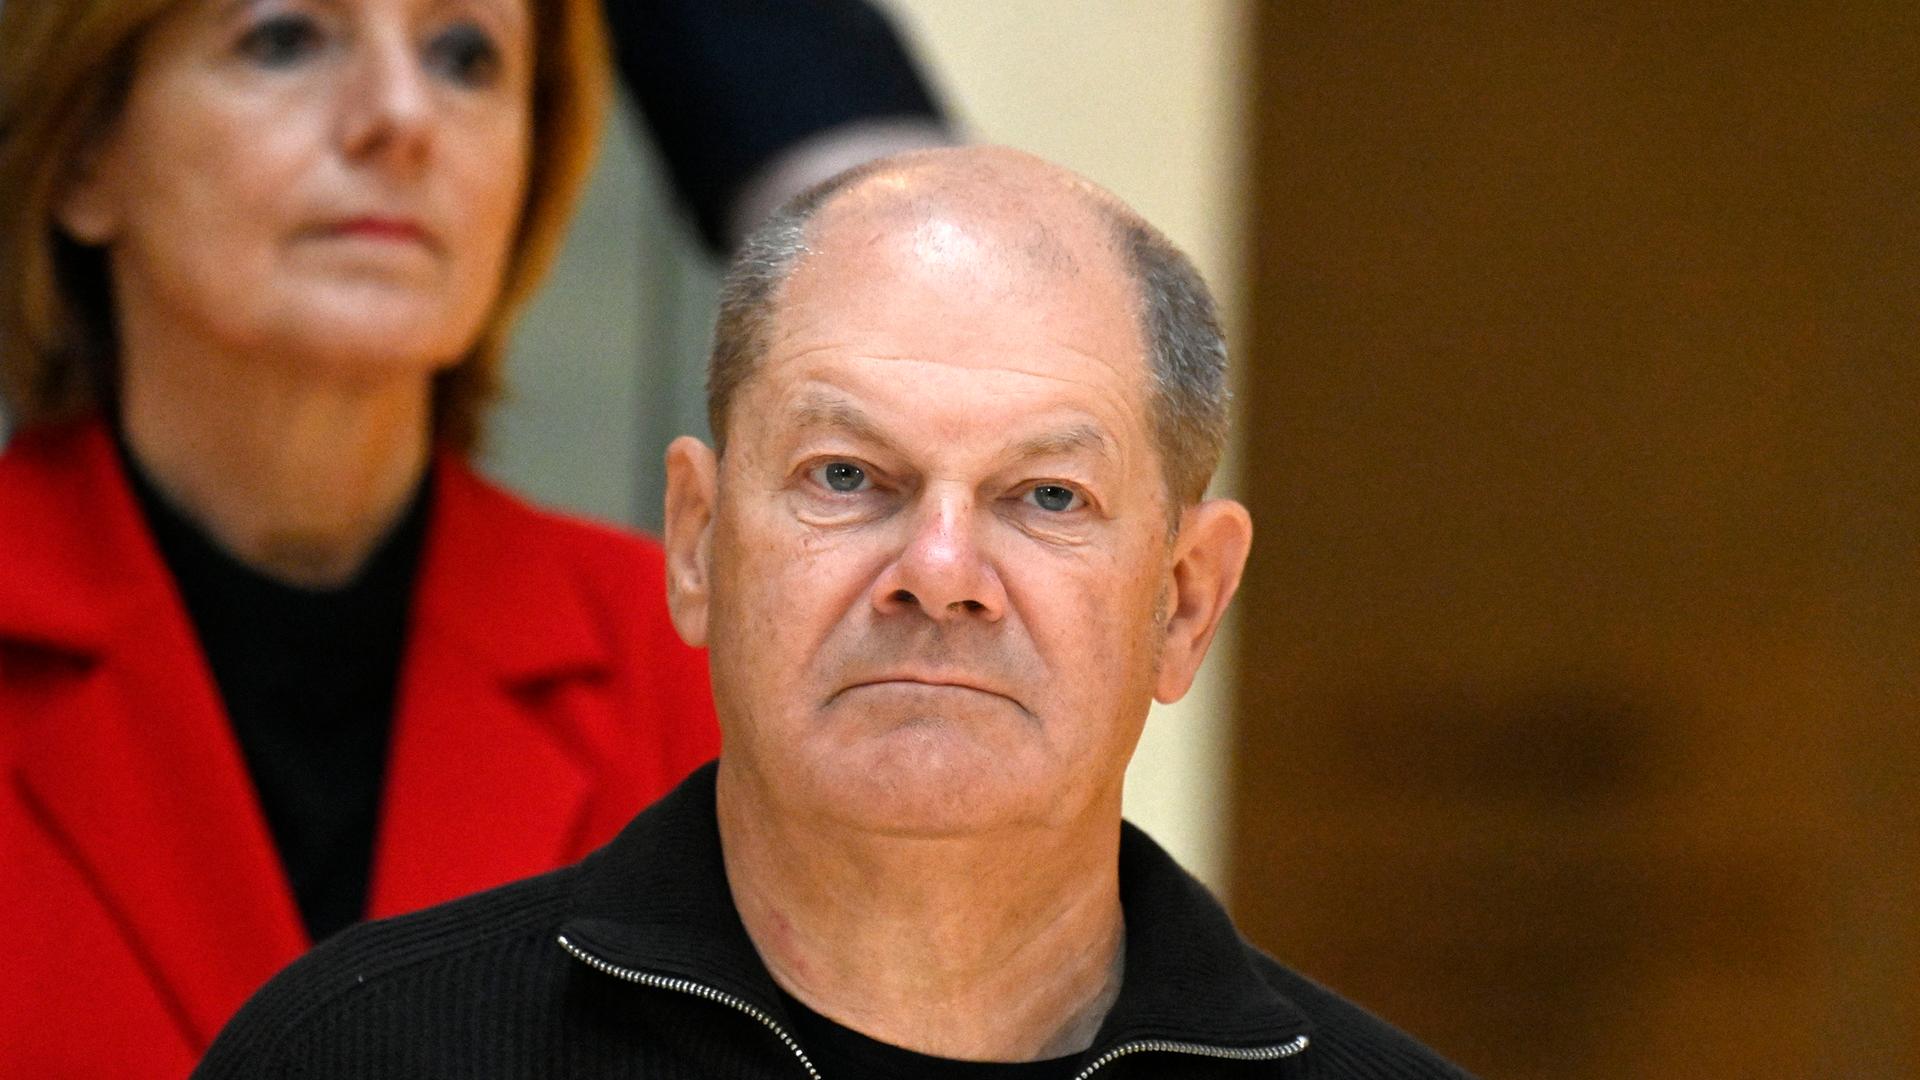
1186 351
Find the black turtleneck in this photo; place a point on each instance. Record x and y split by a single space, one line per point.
308 678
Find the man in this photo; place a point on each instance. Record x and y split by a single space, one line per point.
949 545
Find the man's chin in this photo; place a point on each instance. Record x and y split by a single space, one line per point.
933 780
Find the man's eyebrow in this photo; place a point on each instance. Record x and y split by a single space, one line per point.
1066 441
830 412
833 413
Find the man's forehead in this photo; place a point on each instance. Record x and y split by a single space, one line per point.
922 287
1031 233
962 287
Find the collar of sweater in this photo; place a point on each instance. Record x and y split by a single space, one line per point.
655 902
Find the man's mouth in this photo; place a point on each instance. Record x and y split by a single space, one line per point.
925 683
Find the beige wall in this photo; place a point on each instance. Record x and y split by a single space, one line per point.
1143 96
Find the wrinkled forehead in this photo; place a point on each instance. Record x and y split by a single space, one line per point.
989 277
959 335
938 287
1042 229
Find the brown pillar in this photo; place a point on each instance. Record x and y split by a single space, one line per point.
1579 725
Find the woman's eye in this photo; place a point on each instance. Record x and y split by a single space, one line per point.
843 476
1055 497
282 40
465 54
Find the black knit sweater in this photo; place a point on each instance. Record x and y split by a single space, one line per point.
633 963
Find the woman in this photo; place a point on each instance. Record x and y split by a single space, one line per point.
272 656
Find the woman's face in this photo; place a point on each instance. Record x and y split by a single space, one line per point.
315 181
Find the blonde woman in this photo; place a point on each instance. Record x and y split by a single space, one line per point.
273 658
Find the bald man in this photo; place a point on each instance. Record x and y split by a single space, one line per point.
950 543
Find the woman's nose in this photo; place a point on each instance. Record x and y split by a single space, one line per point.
387 105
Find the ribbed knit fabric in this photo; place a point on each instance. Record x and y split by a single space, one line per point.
483 987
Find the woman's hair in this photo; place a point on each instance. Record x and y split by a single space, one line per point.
65 69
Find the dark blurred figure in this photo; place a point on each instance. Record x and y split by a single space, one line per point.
752 101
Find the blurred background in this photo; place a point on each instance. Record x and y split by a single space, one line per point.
1568 717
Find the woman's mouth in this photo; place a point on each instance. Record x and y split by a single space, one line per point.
371 227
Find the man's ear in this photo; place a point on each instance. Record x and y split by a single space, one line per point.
692 488
1209 555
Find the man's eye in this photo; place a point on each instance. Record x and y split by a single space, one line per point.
465 54
843 476
1054 497
281 40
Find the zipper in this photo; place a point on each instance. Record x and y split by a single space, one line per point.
701 990
688 986
1255 1053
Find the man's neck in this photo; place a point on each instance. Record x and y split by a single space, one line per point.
997 948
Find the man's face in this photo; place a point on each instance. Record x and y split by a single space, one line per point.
938 549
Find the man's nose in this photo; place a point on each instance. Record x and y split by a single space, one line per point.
941 569
387 105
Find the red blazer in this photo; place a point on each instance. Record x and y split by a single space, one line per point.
543 700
